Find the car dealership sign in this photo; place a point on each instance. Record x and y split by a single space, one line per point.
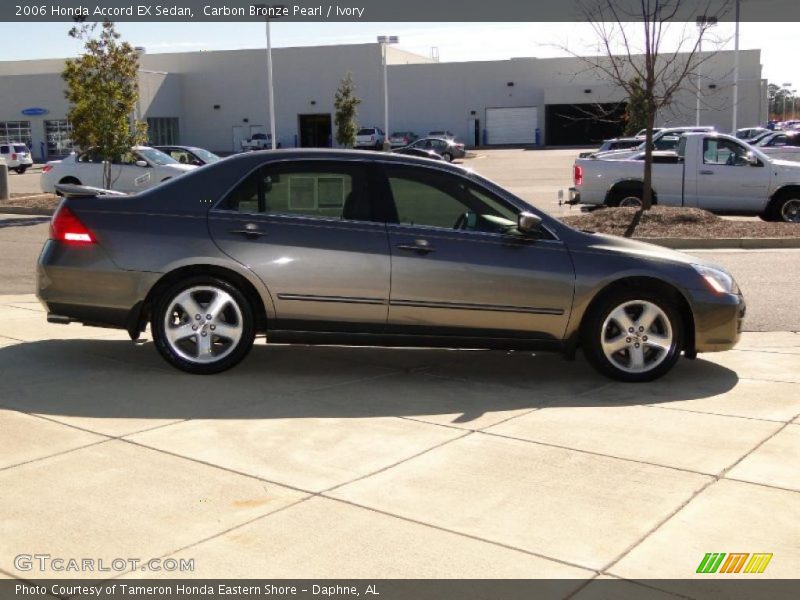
34 111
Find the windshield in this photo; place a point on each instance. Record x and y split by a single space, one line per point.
156 157
206 156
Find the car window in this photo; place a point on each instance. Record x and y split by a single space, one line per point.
433 199
305 189
4 149
89 157
20 148
724 152
365 131
182 156
778 140
155 157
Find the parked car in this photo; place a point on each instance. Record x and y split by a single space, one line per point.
711 171
189 155
448 135
402 138
447 149
370 137
259 141
420 152
782 145
384 249
673 133
17 156
749 133
621 143
140 169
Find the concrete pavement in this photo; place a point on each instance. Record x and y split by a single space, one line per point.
377 463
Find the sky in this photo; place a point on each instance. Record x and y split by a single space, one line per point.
779 42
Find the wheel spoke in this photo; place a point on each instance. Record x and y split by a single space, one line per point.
204 348
662 342
637 358
220 301
649 314
180 332
229 332
189 304
615 345
621 318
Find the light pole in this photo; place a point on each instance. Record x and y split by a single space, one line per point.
736 72
786 87
265 10
703 23
794 99
384 41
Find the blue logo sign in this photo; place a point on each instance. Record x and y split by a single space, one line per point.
34 112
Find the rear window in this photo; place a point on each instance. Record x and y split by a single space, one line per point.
20 148
365 131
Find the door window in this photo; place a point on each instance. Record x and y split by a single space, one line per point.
724 152
305 189
433 199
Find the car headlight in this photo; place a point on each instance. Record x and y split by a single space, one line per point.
718 280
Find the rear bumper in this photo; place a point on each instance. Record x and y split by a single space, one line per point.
82 284
574 197
718 320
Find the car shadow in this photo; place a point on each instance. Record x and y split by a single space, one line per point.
118 379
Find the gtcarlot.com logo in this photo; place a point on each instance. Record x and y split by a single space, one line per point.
734 562
58 564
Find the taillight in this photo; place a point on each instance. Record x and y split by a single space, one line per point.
577 175
66 227
47 168
13 157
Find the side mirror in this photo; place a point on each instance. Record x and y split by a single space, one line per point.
141 163
752 160
528 222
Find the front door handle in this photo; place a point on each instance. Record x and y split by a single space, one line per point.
419 246
706 172
250 230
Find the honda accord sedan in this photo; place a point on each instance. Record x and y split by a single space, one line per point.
349 247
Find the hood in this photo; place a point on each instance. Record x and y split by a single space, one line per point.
181 167
785 165
600 242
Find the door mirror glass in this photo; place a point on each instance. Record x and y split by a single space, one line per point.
752 160
141 163
528 222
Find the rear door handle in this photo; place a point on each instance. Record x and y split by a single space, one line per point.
419 246
706 172
249 230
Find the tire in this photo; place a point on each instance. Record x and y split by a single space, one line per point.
21 170
784 208
177 332
652 350
447 156
378 145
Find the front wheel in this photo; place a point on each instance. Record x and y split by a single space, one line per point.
633 336
203 325
785 209
448 157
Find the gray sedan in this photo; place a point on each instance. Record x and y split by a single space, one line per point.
348 247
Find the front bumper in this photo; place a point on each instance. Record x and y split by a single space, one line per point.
718 320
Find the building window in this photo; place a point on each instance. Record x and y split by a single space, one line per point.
16 131
162 131
58 134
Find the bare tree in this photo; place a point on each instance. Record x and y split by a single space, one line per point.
632 54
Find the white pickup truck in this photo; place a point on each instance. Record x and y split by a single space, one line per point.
711 171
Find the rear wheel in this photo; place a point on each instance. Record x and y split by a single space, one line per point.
633 335
203 325
447 156
21 170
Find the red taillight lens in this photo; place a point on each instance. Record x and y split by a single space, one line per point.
47 168
66 227
577 175
13 157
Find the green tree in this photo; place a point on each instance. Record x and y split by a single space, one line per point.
346 105
636 111
103 90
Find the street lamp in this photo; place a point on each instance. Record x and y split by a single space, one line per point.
265 10
703 23
736 72
384 41
794 100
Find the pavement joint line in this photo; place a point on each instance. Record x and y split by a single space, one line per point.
722 475
716 414
759 484
56 455
771 351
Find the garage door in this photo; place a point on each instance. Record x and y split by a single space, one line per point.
511 125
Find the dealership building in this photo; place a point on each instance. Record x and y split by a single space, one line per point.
216 99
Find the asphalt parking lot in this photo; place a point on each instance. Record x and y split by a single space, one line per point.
324 462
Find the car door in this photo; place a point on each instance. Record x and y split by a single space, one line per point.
312 231
726 179
459 267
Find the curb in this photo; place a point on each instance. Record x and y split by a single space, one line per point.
25 210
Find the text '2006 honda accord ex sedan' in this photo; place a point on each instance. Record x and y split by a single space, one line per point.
348 247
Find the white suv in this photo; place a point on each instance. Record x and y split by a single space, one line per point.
18 157
370 137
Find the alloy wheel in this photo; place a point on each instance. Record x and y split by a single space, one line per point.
790 211
637 336
203 324
630 202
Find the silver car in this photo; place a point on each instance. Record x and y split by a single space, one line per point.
348 247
